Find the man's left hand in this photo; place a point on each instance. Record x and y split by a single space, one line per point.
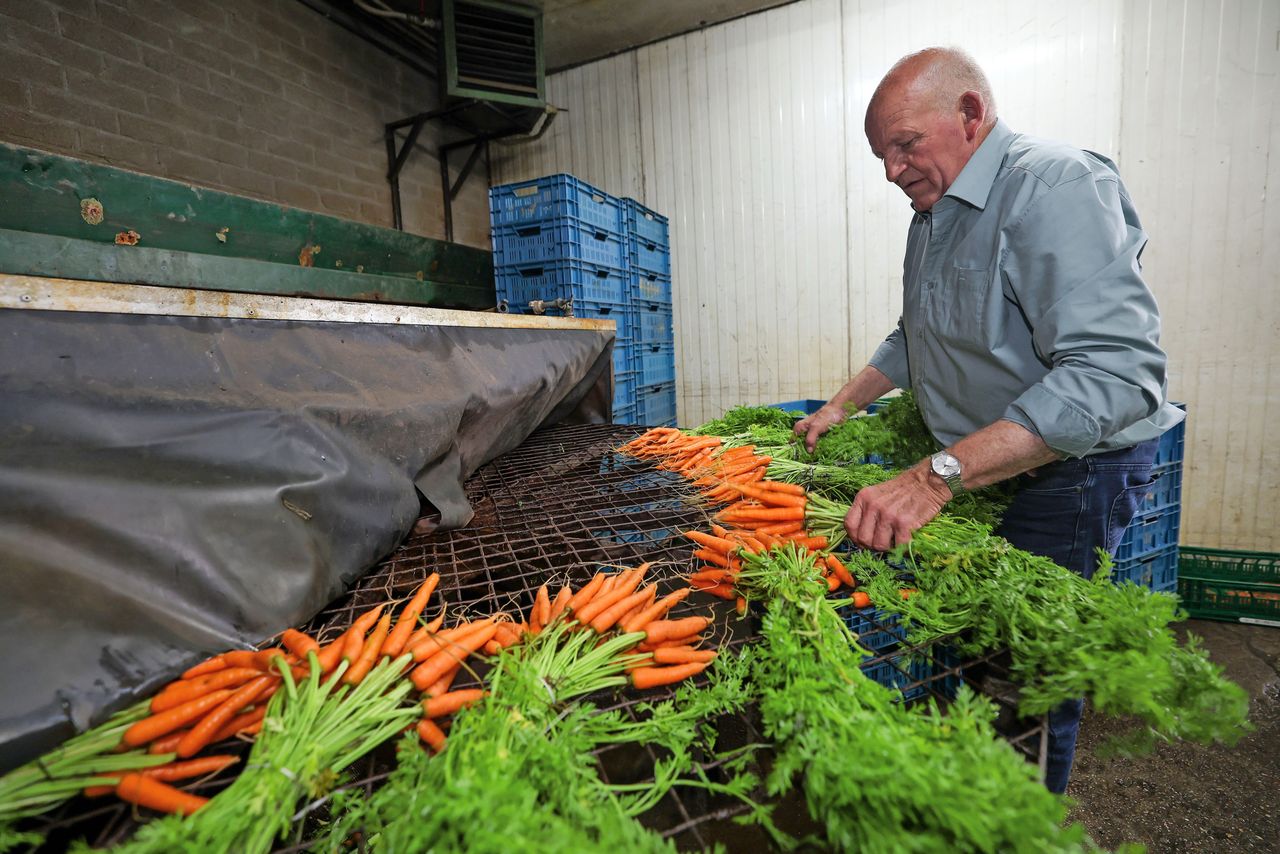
887 514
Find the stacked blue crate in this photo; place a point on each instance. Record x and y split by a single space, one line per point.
648 249
559 238
1148 553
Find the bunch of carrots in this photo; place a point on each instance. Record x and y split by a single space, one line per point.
227 695
761 513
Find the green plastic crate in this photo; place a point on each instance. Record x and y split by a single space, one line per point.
1219 584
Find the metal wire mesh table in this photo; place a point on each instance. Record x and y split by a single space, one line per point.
557 509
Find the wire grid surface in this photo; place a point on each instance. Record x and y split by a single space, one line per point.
558 509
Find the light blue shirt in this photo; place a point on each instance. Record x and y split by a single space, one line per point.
1023 300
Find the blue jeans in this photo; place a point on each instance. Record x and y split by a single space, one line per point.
1064 511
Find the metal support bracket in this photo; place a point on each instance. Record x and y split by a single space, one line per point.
398 153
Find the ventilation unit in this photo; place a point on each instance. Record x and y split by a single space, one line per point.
493 56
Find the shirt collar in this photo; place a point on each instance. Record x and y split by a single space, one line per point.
973 185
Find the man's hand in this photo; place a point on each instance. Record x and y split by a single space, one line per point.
811 427
887 514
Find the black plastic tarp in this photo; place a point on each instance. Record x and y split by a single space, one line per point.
173 486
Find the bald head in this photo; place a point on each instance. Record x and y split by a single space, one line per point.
927 117
937 77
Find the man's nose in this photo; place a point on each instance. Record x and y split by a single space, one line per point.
893 167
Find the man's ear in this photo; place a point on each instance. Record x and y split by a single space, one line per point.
973 112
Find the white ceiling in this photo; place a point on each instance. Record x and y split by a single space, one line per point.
578 31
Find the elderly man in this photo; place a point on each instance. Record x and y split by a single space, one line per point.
1027 333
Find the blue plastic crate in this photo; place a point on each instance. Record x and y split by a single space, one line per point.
657 363
875 629
1149 532
646 224
623 356
558 239
553 196
520 283
649 286
1158 570
807 407
648 257
900 671
1165 492
621 318
653 322
1170 449
656 405
626 385
626 414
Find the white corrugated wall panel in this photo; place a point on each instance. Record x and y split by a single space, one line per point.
787 242
1200 147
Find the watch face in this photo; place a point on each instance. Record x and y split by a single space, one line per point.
946 465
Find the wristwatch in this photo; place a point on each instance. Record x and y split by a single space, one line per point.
947 467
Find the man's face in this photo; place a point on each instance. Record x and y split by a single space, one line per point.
922 145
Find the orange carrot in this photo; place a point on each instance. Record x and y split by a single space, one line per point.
202 733
762 514
624 588
369 654
167 721
263 659
654 611
447 704
146 792
662 629
723 590
712 557
508 634
434 667
780 528
710 576
170 772
434 643
241 722
299 643
539 610
833 581
906 593
491 647
166 744
209 665
650 598
177 693
331 653
584 595
681 655
771 497
610 616
431 735
719 531
559 604
841 571
779 486
652 677
355 638
442 684
813 543
860 600
408 618
715 544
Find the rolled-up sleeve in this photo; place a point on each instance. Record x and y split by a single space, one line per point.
890 358
1073 266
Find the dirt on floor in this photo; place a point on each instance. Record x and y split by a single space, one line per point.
1186 797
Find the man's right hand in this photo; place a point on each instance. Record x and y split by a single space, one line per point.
811 427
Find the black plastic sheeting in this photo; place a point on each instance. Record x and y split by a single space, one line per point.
172 487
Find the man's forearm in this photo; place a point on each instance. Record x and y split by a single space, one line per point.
866 387
998 452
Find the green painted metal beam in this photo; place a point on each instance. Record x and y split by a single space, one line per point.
91 204
70 258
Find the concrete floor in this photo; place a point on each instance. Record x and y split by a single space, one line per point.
1189 798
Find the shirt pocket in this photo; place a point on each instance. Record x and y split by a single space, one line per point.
959 308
